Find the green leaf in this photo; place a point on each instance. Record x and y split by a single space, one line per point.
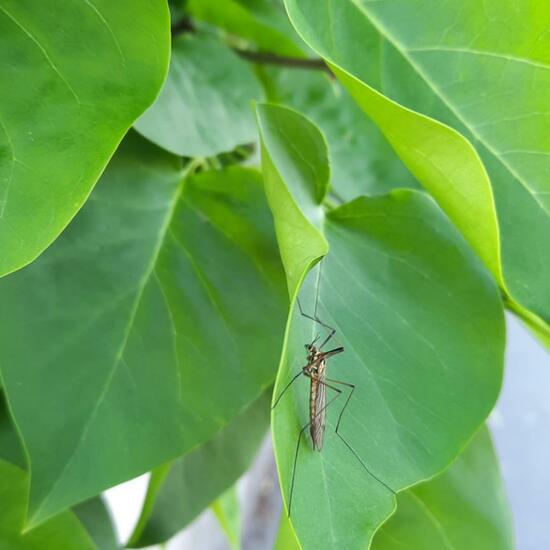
361 159
286 539
204 107
226 509
294 154
180 491
93 514
74 78
154 320
465 507
396 267
262 22
459 67
64 532
11 449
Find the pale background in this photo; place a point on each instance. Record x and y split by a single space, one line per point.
520 426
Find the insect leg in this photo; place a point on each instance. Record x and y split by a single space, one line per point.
286 388
352 386
367 469
332 331
294 466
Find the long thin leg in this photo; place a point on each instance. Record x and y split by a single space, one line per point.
304 428
286 388
352 386
340 435
328 354
317 320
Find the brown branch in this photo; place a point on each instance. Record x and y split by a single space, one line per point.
185 25
182 26
284 61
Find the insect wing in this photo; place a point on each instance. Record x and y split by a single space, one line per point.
317 409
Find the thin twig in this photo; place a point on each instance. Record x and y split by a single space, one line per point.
182 26
186 25
283 61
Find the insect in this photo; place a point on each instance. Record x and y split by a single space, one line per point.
315 369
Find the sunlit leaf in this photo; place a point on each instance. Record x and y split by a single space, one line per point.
361 159
75 76
466 65
226 509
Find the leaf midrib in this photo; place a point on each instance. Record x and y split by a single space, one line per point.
148 273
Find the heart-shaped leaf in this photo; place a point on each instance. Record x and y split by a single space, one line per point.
154 320
74 79
421 388
485 150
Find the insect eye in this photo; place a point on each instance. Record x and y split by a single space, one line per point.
307 347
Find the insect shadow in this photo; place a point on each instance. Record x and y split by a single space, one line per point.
315 369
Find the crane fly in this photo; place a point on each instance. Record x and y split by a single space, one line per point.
315 369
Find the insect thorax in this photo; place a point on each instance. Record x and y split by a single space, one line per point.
315 368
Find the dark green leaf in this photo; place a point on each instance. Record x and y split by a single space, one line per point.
179 492
205 106
75 76
395 268
154 320
95 517
11 449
